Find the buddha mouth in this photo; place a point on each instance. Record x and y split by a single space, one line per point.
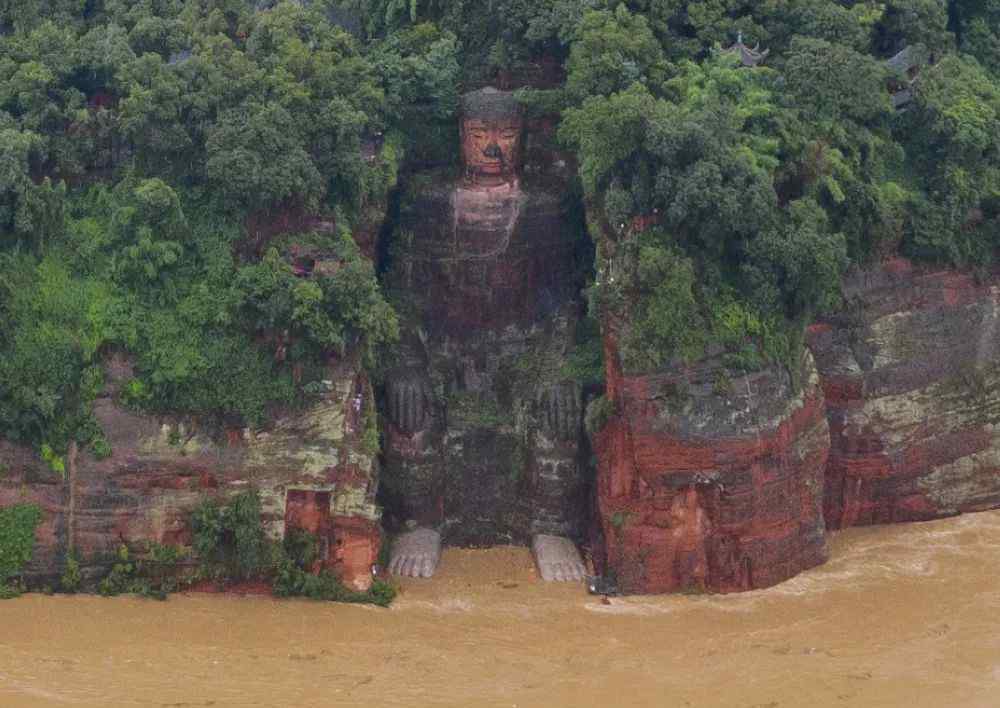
490 166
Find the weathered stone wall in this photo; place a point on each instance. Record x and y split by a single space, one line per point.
161 468
912 385
709 481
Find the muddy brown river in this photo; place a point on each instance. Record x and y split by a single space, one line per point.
900 616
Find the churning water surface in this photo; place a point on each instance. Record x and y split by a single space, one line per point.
900 616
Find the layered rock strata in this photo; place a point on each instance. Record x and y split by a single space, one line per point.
912 386
311 467
708 481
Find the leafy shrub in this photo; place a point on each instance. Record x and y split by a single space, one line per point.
585 361
17 540
599 412
152 575
229 542
54 326
328 312
292 576
71 578
121 578
663 317
229 539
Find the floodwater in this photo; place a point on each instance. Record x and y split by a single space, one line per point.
900 616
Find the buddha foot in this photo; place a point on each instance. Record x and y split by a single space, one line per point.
415 554
558 559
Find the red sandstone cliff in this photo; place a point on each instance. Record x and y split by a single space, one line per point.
700 489
311 468
913 396
706 481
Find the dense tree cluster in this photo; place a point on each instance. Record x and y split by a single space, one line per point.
136 140
763 184
139 138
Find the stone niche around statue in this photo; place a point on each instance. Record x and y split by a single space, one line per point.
482 431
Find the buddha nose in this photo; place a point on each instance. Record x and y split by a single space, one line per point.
493 152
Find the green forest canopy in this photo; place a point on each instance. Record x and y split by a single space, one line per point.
138 139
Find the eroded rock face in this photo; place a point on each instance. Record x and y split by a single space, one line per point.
311 468
912 387
708 481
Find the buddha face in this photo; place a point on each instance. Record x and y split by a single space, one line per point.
491 146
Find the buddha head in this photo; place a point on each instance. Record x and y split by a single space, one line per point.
491 128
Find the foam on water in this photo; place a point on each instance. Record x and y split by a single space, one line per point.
449 605
629 606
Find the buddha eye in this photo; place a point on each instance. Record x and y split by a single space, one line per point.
509 134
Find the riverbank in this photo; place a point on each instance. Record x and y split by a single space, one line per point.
901 616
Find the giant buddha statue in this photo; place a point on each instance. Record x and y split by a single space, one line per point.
483 430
